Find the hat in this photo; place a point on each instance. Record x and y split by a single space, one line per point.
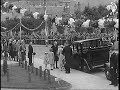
46 52
61 46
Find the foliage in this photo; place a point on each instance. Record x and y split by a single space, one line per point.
109 24
78 24
60 29
78 14
95 13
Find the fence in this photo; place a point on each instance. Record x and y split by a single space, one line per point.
42 41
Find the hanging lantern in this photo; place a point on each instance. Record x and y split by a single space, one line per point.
35 15
14 7
45 17
5 4
22 11
101 23
86 23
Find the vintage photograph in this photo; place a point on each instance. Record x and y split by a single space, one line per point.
59 44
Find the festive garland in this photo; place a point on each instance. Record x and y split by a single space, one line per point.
32 29
12 28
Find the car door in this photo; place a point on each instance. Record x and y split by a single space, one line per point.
75 56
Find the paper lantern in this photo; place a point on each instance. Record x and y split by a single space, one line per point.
71 21
57 20
22 11
113 7
35 15
101 23
86 23
5 4
117 23
45 17
14 7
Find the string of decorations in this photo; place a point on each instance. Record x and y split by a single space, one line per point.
34 28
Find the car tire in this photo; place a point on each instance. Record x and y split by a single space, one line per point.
86 69
107 73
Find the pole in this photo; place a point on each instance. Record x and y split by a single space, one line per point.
45 13
20 27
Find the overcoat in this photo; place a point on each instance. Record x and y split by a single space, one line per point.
30 52
55 50
67 51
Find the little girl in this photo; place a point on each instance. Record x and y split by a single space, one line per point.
61 57
51 58
46 61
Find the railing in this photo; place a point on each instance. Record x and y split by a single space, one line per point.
42 41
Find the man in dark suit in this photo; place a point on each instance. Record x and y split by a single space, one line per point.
113 68
67 51
55 50
30 52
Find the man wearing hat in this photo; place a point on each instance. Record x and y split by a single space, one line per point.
114 64
67 51
30 52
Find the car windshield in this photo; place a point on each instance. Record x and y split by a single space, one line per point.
88 43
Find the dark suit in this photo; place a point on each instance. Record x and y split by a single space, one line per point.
113 68
55 50
30 52
67 51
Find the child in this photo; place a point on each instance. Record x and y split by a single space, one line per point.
51 58
61 57
46 60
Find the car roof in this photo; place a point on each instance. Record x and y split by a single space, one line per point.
80 41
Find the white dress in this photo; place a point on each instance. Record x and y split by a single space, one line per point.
51 57
46 59
61 56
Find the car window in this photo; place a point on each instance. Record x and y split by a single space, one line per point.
86 45
76 48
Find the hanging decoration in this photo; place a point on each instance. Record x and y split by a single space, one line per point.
34 28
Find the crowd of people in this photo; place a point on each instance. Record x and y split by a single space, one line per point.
80 36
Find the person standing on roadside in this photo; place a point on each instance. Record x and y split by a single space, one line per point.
67 52
61 57
22 50
114 63
11 49
30 52
51 58
55 50
5 51
17 49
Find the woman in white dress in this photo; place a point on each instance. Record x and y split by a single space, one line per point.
51 58
61 57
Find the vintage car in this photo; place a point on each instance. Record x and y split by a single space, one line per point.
107 67
89 54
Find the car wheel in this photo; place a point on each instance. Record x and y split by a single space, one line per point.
107 74
86 69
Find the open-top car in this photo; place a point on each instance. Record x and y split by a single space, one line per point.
89 54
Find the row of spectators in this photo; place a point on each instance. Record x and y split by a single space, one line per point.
79 36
